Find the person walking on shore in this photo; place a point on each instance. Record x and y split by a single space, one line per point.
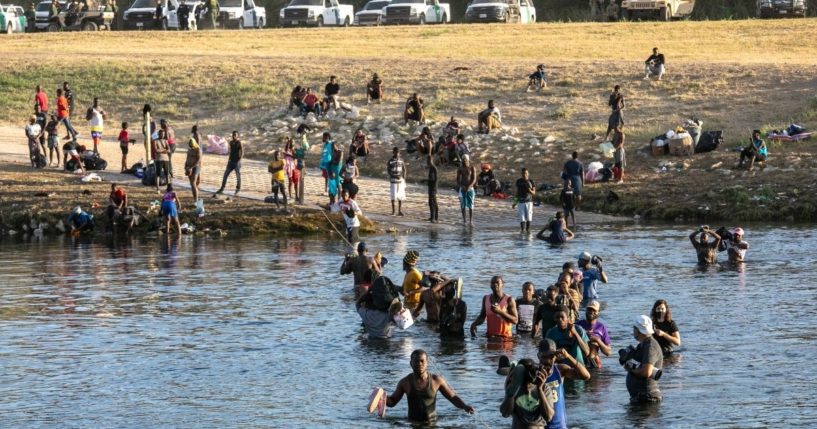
96 119
277 184
63 115
525 190
397 181
616 103
233 164
434 209
192 167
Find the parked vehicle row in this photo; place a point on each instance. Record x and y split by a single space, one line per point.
142 14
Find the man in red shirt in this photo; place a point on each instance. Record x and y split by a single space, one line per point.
311 103
41 99
63 114
118 204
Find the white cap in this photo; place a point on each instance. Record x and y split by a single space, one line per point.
77 209
643 324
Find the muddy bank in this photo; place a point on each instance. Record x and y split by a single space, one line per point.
37 202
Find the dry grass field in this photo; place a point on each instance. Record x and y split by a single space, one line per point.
735 75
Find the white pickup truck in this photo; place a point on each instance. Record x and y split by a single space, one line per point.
241 14
316 13
520 11
416 12
371 13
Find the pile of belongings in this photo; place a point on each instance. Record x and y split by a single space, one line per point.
793 133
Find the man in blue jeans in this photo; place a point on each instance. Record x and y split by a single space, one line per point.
233 164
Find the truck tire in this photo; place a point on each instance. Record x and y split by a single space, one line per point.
346 22
445 18
241 24
320 21
665 14
260 23
507 18
422 19
89 26
52 28
164 25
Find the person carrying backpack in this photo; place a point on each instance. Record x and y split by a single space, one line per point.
378 306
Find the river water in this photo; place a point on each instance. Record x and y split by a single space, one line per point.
260 332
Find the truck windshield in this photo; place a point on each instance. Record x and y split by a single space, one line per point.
230 3
376 5
407 1
306 3
143 4
44 7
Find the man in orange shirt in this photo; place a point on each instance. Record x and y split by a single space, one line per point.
63 114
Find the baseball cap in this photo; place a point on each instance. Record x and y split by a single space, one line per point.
643 324
594 305
548 347
585 256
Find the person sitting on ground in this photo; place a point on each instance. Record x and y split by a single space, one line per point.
278 179
535 395
312 104
424 143
756 151
296 98
331 92
666 330
487 181
421 389
489 119
526 306
544 318
453 312
462 148
412 289
170 209
597 333
536 81
499 309
452 128
654 66
591 275
706 250
360 145
567 200
643 363
124 141
80 221
559 234
414 110
374 89
569 336
735 247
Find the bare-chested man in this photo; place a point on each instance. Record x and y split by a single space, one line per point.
466 179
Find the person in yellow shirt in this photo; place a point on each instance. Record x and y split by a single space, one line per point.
276 168
411 282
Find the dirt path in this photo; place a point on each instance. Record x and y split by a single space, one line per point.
373 196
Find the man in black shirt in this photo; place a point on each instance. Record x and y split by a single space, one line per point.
183 13
233 164
158 16
432 190
525 189
654 66
331 91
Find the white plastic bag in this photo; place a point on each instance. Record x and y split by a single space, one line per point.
91 177
216 144
403 319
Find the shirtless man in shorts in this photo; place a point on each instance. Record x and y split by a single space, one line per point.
466 179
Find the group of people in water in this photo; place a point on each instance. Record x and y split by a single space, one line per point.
570 347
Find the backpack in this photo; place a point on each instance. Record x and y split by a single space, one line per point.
95 163
149 177
89 114
709 141
382 293
39 160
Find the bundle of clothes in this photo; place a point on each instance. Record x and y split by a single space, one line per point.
793 132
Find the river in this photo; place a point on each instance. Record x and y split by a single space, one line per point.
260 332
